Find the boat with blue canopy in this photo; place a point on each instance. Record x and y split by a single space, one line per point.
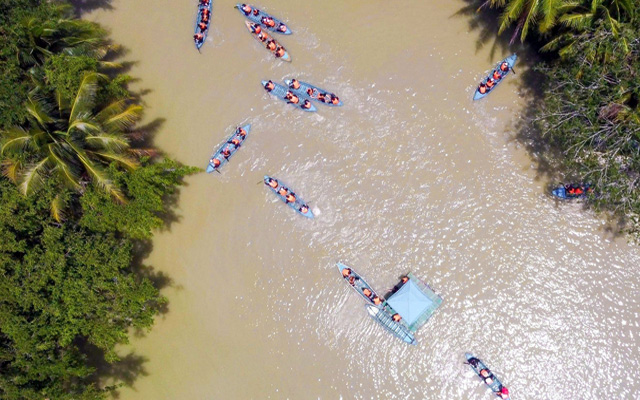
408 307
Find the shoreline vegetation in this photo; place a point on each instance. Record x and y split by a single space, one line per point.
83 189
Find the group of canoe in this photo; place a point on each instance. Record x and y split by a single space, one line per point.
300 94
375 305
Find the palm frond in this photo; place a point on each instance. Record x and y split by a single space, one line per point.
58 205
106 141
39 111
11 169
84 100
33 178
124 120
63 168
125 161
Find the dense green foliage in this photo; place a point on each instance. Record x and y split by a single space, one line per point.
78 196
588 110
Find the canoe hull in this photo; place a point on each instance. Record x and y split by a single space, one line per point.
280 91
231 147
296 204
303 91
511 60
496 385
198 19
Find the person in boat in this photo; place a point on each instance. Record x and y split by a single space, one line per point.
346 272
496 75
205 17
306 104
504 67
241 132
503 393
235 142
490 83
352 280
216 163
482 88
226 153
272 183
204 2
294 84
268 21
405 279
198 37
321 97
377 301
279 51
396 317
292 98
290 198
202 26
283 191
255 28
256 12
310 92
282 28
269 86
262 37
205 12
366 292
245 9
335 100
271 45
487 376
578 191
304 209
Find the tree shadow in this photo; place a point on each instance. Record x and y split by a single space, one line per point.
86 6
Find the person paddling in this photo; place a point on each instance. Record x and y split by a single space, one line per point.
496 75
235 142
255 28
246 9
272 183
241 132
490 83
335 100
346 272
504 67
216 163
226 153
294 84
504 393
202 26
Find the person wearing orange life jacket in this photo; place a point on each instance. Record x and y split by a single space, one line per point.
335 100
405 279
377 301
352 280
310 92
226 153
279 52
490 83
271 45
486 376
216 163
283 191
346 272
578 191
282 28
245 9
198 37
504 67
269 86
496 75
268 21
204 2
256 12
241 132
262 37
255 28
366 292
235 141
482 88
396 317
504 393
306 104
292 98
202 26
304 208
205 18
205 12
294 84
272 183
291 198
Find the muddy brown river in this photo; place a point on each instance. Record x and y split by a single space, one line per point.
409 175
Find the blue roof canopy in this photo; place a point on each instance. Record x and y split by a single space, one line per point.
411 303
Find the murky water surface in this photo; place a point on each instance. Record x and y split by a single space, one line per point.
410 175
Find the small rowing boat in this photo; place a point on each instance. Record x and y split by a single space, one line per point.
228 149
314 93
281 92
357 282
511 60
199 40
284 193
568 192
260 17
496 386
266 40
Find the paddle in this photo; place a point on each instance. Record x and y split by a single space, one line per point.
514 71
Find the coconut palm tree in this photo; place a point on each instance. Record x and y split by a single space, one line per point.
70 141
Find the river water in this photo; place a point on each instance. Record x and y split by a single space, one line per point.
410 175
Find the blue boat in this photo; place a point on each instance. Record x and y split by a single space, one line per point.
280 92
384 318
218 155
256 15
357 282
202 7
279 188
477 365
563 191
314 93
511 60
263 38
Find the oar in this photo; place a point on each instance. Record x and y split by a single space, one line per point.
514 71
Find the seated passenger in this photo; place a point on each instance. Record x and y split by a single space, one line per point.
226 153
269 86
255 28
294 84
377 301
246 9
335 100
490 83
396 317
291 198
283 191
496 75
304 209
486 376
346 272
482 88
215 162
198 37
504 67
282 28
279 52
271 45
504 393
306 104
272 182
366 292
